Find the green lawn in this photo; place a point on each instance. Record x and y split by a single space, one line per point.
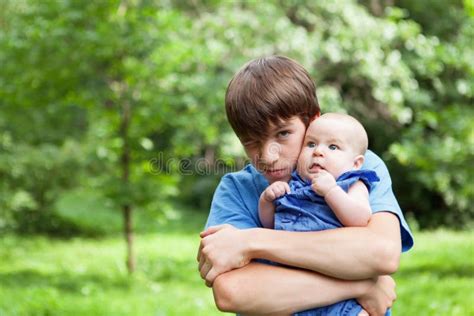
41 276
436 277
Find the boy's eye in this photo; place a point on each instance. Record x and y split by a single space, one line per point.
250 144
333 147
311 144
283 133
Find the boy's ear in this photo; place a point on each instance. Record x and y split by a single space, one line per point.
358 162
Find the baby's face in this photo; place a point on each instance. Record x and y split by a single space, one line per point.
326 146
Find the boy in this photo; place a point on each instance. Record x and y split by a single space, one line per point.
269 103
334 147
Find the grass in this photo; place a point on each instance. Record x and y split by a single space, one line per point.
437 276
83 276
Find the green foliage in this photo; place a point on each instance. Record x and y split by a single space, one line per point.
95 57
437 144
89 211
70 68
32 178
449 15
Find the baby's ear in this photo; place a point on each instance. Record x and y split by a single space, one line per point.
358 162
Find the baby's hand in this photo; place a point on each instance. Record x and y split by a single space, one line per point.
275 190
323 182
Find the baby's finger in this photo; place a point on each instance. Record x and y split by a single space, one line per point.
281 189
277 192
323 172
287 188
271 195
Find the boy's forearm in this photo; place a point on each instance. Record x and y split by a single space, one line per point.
350 211
253 289
348 253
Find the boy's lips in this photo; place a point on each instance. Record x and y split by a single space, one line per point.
275 173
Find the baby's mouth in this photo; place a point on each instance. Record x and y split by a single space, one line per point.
316 167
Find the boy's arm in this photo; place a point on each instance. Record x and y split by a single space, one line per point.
347 253
247 291
351 208
351 253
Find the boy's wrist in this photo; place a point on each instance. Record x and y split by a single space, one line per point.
363 287
253 240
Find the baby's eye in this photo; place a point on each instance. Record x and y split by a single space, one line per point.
333 147
311 145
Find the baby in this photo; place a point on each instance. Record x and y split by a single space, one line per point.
328 190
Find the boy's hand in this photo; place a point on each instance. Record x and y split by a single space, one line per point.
222 249
323 182
380 297
275 190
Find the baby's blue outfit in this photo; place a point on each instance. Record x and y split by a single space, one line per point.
304 210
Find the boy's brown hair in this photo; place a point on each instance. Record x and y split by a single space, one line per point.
265 91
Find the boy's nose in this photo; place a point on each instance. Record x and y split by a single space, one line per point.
270 153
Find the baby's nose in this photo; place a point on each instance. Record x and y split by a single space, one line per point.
318 151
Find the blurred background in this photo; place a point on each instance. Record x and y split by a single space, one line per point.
112 124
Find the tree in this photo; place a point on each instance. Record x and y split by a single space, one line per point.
90 93
105 59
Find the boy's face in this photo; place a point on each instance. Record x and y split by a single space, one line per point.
276 156
327 146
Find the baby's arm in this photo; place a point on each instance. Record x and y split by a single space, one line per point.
351 208
266 208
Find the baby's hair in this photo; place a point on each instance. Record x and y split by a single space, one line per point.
359 136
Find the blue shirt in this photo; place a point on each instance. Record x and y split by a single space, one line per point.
235 200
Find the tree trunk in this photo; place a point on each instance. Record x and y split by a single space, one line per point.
127 208
128 229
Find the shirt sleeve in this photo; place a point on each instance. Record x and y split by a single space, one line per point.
382 199
229 207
